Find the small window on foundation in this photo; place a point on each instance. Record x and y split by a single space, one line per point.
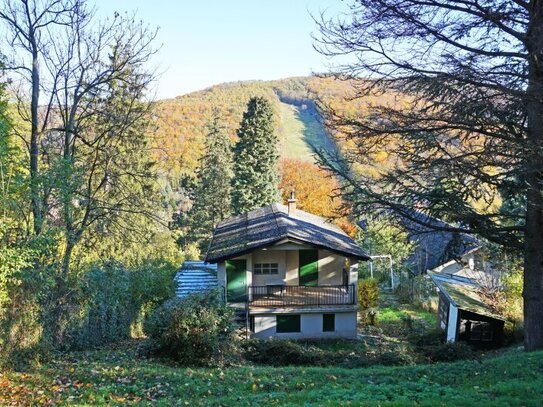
288 323
328 322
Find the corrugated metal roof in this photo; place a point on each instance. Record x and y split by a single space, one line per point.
196 277
272 223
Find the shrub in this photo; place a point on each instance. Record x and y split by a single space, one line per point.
425 337
368 296
448 352
280 352
113 300
397 356
368 293
513 332
194 331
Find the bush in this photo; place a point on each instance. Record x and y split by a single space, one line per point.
194 331
348 354
513 332
113 300
448 352
368 296
368 293
424 337
280 352
419 291
395 357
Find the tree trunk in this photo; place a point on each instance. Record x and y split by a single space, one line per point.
533 253
533 273
67 258
34 144
61 297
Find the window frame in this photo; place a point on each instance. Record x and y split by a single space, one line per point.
266 269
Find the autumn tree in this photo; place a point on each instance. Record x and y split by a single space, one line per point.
315 189
255 159
469 129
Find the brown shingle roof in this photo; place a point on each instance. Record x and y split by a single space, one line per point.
270 224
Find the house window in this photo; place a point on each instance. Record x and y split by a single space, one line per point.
288 323
328 322
266 268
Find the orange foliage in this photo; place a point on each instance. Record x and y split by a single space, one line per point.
315 191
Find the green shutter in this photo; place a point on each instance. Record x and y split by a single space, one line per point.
287 323
328 322
236 282
308 270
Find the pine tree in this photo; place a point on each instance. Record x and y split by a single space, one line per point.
212 195
256 178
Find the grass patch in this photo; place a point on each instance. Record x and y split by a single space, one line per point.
119 377
301 132
397 321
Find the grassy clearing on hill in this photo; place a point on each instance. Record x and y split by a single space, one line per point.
119 377
301 132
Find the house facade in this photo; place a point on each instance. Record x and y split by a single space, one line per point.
292 274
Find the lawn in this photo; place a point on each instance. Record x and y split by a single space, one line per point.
118 376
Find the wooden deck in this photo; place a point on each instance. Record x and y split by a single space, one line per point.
296 296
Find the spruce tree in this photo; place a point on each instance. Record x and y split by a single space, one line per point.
256 178
212 194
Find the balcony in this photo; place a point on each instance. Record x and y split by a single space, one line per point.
301 296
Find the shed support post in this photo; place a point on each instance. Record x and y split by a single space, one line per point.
452 323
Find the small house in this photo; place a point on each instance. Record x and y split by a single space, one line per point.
293 274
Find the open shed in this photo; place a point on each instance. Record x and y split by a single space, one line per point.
464 315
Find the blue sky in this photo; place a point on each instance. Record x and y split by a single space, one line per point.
205 42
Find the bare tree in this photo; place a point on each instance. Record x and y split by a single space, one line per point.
81 86
464 134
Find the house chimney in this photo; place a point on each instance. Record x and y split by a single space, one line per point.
291 204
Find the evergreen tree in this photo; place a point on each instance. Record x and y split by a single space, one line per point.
256 177
212 194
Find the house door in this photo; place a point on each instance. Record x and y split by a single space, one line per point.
308 270
236 280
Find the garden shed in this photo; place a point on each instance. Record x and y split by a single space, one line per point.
464 315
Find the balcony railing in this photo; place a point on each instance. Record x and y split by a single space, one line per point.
297 295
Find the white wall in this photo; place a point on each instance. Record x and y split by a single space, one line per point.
330 268
270 256
310 326
293 262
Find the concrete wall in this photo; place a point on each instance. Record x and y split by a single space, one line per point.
310 324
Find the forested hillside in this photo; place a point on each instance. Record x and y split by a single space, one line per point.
180 122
